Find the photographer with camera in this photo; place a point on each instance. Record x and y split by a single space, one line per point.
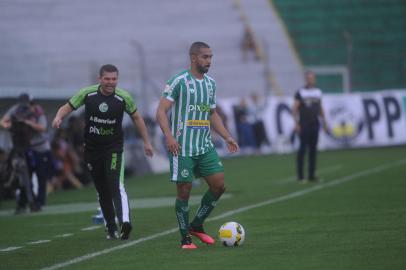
30 154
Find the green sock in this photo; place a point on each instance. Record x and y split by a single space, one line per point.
182 215
208 203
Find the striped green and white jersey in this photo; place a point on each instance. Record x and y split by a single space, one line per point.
190 116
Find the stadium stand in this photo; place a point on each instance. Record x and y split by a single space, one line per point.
55 47
323 32
285 69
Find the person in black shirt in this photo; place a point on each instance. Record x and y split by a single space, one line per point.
104 109
307 112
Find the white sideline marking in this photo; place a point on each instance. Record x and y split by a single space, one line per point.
64 235
91 228
233 212
38 242
324 170
144 203
9 249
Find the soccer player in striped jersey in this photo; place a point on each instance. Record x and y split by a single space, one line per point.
191 97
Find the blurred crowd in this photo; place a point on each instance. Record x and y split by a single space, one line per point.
250 128
39 163
43 160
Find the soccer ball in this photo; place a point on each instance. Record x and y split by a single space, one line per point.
232 234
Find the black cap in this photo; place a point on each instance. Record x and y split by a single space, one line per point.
24 98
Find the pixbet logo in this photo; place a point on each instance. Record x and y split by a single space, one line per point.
199 108
101 131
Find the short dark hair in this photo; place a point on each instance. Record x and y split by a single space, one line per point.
196 46
107 68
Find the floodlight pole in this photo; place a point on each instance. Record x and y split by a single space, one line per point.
349 45
142 66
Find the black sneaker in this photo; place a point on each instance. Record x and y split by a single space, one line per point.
35 208
125 230
112 235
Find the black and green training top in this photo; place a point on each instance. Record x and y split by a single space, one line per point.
103 117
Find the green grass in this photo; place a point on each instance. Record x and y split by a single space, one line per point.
358 224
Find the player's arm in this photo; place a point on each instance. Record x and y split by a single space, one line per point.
295 114
6 121
218 126
40 126
162 118
61 114
142 129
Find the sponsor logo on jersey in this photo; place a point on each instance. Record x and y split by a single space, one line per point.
199 108
184 173
102 121
103 107
198 124
101 131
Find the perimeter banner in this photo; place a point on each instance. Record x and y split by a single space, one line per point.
354 120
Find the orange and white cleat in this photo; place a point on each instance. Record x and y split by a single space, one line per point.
186 243
199 233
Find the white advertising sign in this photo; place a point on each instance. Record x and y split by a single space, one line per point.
354 120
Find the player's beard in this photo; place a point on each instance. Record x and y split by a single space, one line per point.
203 69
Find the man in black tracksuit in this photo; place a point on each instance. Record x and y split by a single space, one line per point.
307 111
104 109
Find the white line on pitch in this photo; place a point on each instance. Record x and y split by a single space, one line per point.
10 249
286 197
91 228
64 235
324 170
38 242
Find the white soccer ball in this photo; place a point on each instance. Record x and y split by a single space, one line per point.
232 234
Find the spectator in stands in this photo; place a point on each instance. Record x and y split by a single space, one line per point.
249 45
217 140
255 110
307 112
246 137
3 173
74 133
28 124
74 137
66 165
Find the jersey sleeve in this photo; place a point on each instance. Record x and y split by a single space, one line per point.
298 97
79 98
130 106
172 89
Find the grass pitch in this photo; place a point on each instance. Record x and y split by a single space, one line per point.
354 219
